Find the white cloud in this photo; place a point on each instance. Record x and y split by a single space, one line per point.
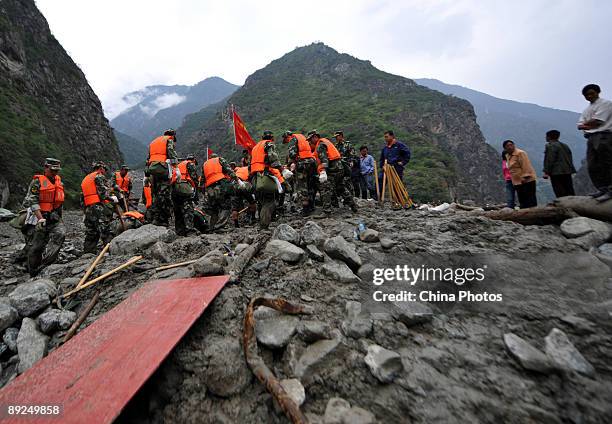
540 51
162 102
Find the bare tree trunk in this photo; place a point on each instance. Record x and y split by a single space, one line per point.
586 206
533 216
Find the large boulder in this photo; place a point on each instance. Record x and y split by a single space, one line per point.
55 319
8 315
586 232
139 239
273 328
528 356
287 233
284 250
338 248
31 297
312 234
227 373
31 344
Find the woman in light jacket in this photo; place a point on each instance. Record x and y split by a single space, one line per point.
522 173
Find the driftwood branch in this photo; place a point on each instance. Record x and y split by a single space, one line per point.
164 267
586 206
72 331
533 216
241 261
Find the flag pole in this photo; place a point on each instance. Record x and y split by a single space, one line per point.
234 123
207 150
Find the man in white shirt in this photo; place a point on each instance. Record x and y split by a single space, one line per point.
596 123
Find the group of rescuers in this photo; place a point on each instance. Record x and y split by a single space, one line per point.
171 186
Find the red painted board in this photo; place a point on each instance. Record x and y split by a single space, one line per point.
94 375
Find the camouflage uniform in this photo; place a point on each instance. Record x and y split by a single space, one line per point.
266 199
98 218
161 190
218 194
243 194
183 206
347 151
305 176
38 238
119 193
335 184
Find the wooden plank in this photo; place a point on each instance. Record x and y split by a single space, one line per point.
95 374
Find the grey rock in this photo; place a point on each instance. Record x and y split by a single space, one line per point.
315 253
10 338
312 233
8 316
3 349
240 247
312 331
336 410
564 354
605 249
286 232
56 319
261 265
387 243
216 256
412 313
204 266
528 356
581 226
369 236
274 329
6 215
31 344
284 250
384 364
357 415
139 239
338 248
175 273
580 325
339 271
227 373
294 389
313 355
29 298
160 251
357 327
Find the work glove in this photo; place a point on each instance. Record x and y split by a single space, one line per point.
322 177
241 183
42 222
114 199
287 174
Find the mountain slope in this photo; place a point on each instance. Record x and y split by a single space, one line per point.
525 123
160 107
316 87
47 108
134 151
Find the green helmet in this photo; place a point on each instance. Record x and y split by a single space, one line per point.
53 164
267 135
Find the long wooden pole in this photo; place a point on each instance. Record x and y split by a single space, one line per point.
103 276
376 178
81 317
120 216
161 268
93 265
382 199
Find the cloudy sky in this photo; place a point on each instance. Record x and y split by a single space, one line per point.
540 51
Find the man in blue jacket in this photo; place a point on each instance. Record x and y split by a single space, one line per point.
395 153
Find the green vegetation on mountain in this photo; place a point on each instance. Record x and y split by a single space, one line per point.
316 87
134 151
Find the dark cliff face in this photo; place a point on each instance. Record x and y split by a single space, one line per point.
47 108
317 87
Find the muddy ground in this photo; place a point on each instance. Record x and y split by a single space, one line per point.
455 366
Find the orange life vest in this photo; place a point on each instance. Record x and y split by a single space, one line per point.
123 182
90 191
148 196
242 172
50 195
213 171
304 150
158 149
258 157
185 174
277 174
134 214
332 152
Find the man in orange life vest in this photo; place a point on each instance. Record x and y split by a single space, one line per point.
183 194
43 229
263 159
300 153
122 182
217 177
331 172
160 163
99 206
147 197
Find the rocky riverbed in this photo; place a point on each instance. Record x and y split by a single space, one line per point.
542 354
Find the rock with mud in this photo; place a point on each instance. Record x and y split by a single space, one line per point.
55 319
31 344
286 232
564 354
412 313
31 297
369 236
227 373
338 248
313 355
204 267
387 243
312 233
10 338
315 253
160 251
356 324
312 331
339 271
384 364
284 250
336 411
528 356
274 329
8 315
138 240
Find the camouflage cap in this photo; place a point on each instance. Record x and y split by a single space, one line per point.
337 133
53 164
312 134
127 168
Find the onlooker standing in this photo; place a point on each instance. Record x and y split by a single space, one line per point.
558 165
367 174
596 122
522 173
355 164
395 153
510 190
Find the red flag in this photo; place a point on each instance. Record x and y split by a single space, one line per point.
241 134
